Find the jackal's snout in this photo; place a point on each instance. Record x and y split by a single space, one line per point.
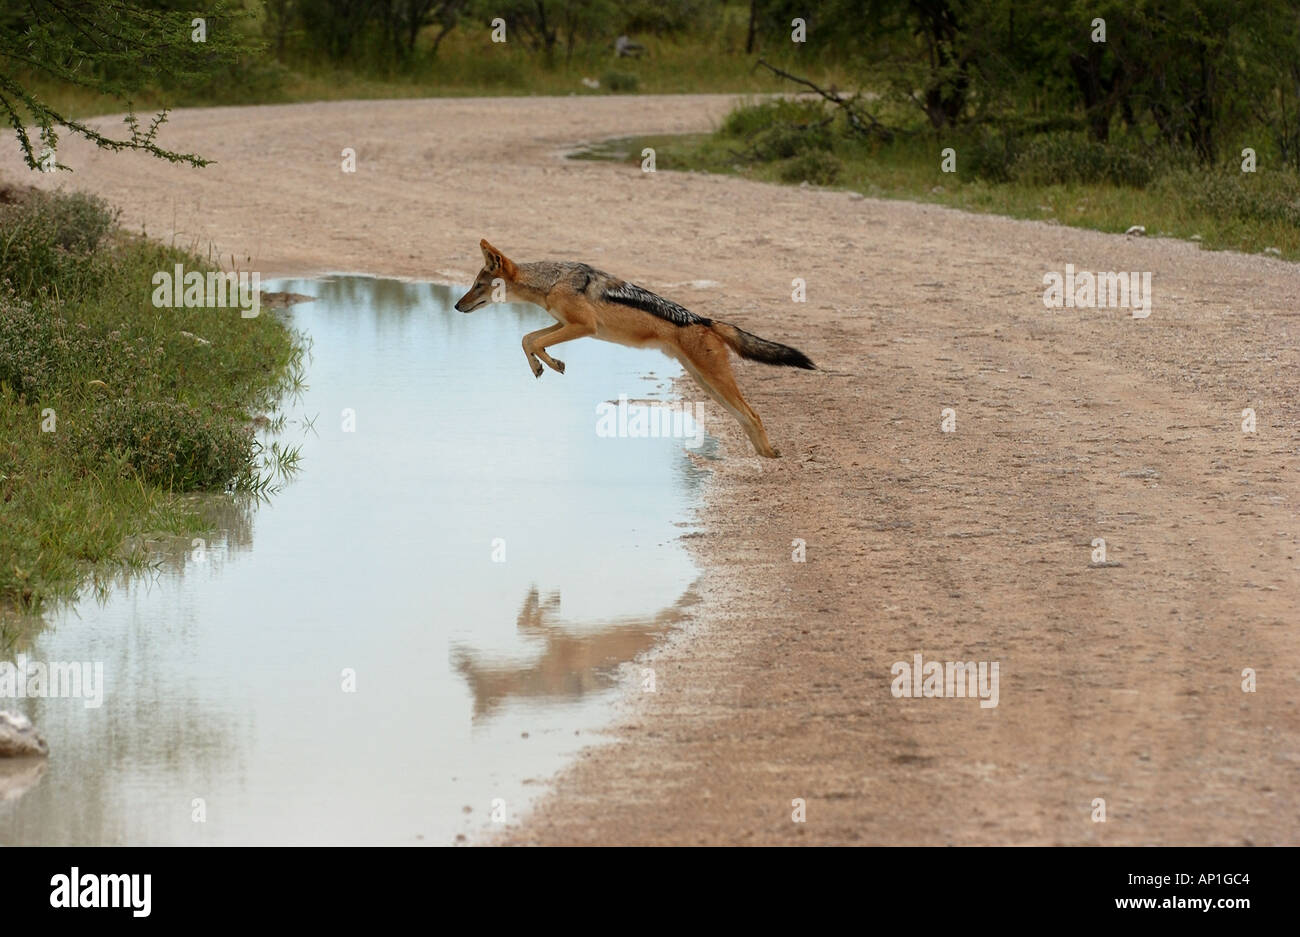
476 296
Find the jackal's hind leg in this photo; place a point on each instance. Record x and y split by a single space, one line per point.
712 371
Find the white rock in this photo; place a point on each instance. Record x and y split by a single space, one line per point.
20 775
18 737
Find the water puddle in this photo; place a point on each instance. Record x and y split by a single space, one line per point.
429 618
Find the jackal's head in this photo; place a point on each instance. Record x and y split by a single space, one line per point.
492 282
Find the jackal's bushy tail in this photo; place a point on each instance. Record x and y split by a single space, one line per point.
749 345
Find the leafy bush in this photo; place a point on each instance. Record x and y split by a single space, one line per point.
41 353
662 17
1240 196
990 156
619 81
26 346
498 71
79 222
247 80
170 444
795 131
813 166
1065 158
52 237
783 140
749 120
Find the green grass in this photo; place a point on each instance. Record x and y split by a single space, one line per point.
114 427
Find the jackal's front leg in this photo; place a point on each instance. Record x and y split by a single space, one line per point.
566 332
532 355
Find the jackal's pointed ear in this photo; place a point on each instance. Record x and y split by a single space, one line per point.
496 262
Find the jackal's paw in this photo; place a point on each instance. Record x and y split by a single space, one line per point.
559 365
537 368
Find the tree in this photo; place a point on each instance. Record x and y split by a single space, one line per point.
335 25
403 20
543 23
110 47
280 17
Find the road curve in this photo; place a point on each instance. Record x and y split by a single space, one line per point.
1119 681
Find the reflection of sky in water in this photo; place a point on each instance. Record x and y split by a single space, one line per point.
223 682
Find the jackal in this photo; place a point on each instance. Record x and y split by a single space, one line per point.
585 301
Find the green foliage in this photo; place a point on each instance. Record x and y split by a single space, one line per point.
748 120
50 241
114 48
136 411
172 445
785 129
662 17
1188 74
990 155
501 73
27 343
812 166
1235 196
618 81
1064 159
783 140
246 80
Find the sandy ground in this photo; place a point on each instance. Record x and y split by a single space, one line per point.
1120 681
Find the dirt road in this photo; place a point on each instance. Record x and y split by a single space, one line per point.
1120 680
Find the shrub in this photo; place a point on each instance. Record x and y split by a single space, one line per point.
41 353
26 346
1066 158
170 444
784 140
52 237
783 130
619 81
78 222
498 71
989 156
813 166
1239 196
749 120
247 80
